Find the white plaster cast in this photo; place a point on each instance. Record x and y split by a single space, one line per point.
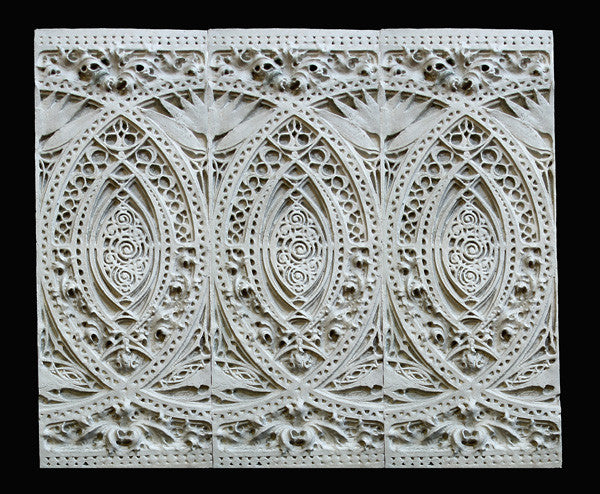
296 248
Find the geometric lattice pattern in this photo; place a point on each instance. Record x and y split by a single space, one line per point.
296 248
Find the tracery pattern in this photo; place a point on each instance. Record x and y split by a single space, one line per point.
296 248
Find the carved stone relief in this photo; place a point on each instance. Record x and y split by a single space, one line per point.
296 248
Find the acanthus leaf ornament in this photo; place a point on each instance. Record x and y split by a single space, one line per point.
117 71
290 70
467 71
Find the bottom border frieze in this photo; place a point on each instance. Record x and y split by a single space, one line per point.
316 459
488 459
154 459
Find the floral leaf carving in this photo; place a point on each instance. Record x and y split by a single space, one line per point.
349 130
176 130
530 121
211 118
62 119
238 133
410 133
382 117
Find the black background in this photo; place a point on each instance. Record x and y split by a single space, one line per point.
576 64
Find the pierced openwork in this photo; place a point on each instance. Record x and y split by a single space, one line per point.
293 258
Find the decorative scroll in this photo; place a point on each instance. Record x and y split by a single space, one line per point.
296 248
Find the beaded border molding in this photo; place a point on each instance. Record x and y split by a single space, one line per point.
295 247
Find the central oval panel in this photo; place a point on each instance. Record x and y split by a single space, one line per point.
463 227
297 251
471 255
125 253
125 228
298 255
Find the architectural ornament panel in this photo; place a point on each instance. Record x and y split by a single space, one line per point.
296 248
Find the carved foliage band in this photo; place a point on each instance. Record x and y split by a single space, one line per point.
296 248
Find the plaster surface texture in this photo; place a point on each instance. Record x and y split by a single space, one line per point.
296 248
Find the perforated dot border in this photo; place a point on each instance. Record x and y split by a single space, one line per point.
508 39
159 39
323 38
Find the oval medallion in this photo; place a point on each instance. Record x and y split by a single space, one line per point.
299 251
124 261
461 233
